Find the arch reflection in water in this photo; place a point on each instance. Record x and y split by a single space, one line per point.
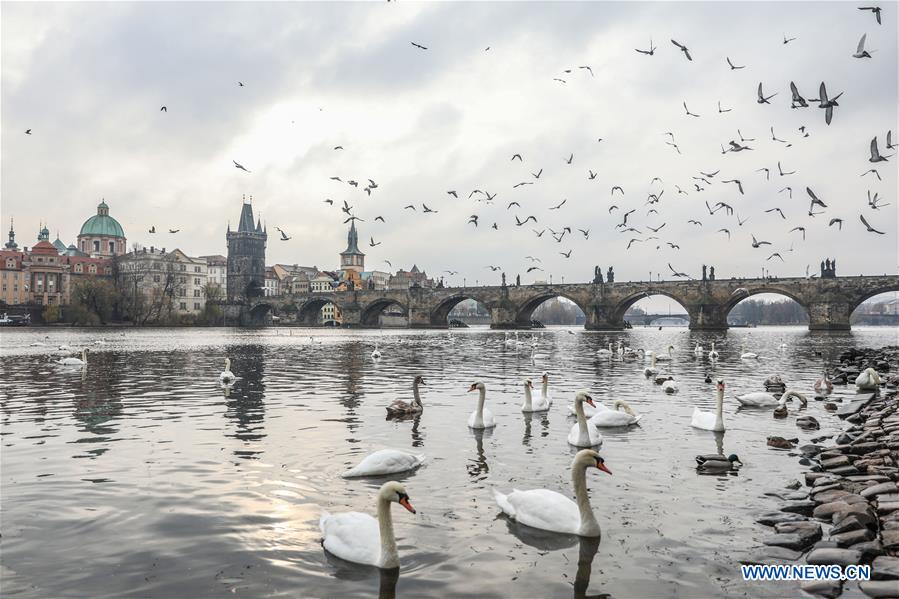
245 399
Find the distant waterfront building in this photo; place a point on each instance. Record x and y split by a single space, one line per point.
101 235
246 256
375 279
272 282
12 276
404 279
217 271
171 278
294 279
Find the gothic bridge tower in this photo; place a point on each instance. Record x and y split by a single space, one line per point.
246 256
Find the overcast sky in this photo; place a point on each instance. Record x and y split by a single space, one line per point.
89 81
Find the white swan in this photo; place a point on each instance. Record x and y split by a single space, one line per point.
359 538
552 511
227 377
698 350
583 434
651 369
544 389
868 380
669 386
376 354
781 410
75 361
709 421
620 350
713 353
541 404
605 417
666 358
508 340
400 407
605 352
482 417
760 399
747 355
385 461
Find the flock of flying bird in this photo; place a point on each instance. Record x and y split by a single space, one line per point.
646 233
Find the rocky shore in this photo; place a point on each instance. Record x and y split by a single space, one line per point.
847 510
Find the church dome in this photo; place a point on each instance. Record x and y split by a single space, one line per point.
101 224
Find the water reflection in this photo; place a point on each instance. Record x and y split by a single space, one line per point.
245 404
478 468
587 551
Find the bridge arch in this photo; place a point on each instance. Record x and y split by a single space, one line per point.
869 293
885 314
309 312
260 314
621 308
749 292
440 312
525 312
371 313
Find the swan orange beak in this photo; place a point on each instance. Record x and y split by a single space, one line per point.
405 503
604 469
472 388
589 400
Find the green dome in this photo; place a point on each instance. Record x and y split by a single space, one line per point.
101 224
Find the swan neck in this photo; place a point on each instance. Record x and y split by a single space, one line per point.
719 411
589 525
527 397
544 390
415 396
389 555
581 420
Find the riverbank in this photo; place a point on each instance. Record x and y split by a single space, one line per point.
849 512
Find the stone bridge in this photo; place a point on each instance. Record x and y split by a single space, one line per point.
828 301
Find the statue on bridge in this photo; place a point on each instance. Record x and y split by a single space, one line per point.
711 273
829 269
704 275
610 276
518 280
597 275
504 279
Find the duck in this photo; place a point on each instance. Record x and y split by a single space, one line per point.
666 358
400 407
606 418
70 361
824 385
713 353
552 511
226 377
359 538
747 355
376 354
669 386
651 369
698 350
717 462
781 410
541 404
385 461
482 417
868 380
583 434
605 352
711 421
708 378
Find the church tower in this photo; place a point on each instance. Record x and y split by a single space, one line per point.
351 259
246 256
11 244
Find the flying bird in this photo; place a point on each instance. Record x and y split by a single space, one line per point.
874 9
618 188
762 99
801 229
591 175
827 103
427 210
688 110
372 243
419 46
781 171
787 189
787 41
756 243
493 268
725 231
284 236
778 210
683 49
815 200
860 52
453 193
737 181
775 254
649 52
28 132
163 109
387 262
836 221
798 101
338 148
240 166
721 110
569 159
875 154
568 255
588 69
514 156
533 268
694 222
632 241
872 170
520 223
379 218
408 207
562 203
473 220
152 229
733 67
537 174
766 171
513 204
869 227
678 274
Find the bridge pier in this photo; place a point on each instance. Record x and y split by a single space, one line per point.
707 317
829 316
601 318
504 315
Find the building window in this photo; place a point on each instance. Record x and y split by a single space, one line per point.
112 247
196 269
155 278
196 280
196 305
182 267
97 246
196 293
184 305
182 292
92 268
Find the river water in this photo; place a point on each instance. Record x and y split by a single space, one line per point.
137 476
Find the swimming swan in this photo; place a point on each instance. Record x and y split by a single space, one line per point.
482 417
400 407
583 434
709 421
385 461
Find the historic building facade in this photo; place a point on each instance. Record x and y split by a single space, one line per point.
101 235
352 261
174 280
246 257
